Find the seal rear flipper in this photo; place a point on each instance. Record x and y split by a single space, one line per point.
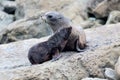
79 47
56 55
82 40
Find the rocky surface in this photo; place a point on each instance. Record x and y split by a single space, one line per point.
117 68
91 23
21 25
102 8
103 51
110 74
5 20
9 6
24 29
114 17
75 10
93 79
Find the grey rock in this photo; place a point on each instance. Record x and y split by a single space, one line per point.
91 23
117 68
94 79
24 29
110 74
114 17
103 51
5 20
92 5
9 6
75 10
104 8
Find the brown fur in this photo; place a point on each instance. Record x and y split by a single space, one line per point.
77 39
49 49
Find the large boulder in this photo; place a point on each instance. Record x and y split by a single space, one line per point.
117 68
111 74
91 23
25 28
93 79
102 51
114 17
5 19
104 7
9 6
75 10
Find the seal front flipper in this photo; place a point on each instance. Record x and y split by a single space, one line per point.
56 55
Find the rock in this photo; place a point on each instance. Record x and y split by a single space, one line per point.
93 79
92 5
27 8
110 74
95 63
117 68
9 6
1 7
102 51
105 7
91 23
25 29
114 17
10 60
75 10
5 20
20 57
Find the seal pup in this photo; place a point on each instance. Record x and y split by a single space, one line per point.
49 49
77 39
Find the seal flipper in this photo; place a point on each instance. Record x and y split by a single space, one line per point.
56 55
82 40
79 47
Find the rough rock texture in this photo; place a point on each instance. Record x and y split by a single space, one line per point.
24 29
93 79
92 4
110 74
103 51
9 6
15 54
102 9
91 23
75 10
5 19
114 17
117 68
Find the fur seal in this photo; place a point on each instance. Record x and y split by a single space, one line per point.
49 49
77 39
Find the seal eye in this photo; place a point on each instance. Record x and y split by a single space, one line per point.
49 16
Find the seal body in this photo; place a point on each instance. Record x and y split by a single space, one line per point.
49 49
77 39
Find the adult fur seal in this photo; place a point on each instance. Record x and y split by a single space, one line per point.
77 39
49 49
